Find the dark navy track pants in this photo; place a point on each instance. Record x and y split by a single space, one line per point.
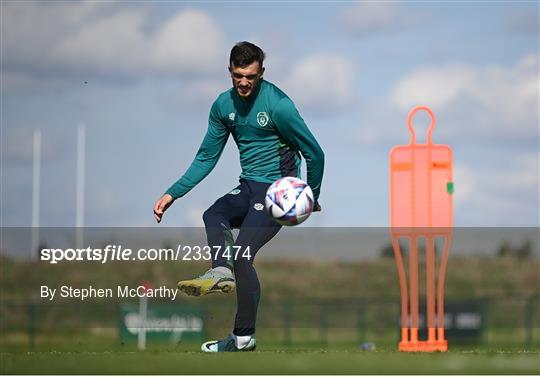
241 208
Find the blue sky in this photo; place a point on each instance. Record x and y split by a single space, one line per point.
354 69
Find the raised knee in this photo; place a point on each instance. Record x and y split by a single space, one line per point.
209 216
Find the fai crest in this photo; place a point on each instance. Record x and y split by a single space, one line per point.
262 118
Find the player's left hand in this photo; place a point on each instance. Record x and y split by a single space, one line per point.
317 208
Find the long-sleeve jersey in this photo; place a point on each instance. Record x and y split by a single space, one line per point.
270 135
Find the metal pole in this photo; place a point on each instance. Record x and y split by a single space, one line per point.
79 221
143 311
36 188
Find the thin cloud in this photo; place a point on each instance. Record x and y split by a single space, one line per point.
499 194
112 44
189 43
322 83
190 95
523 22
63 39
193 216
466 180
18 147
367 18
500 102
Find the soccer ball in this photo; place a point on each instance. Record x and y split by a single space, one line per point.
289 201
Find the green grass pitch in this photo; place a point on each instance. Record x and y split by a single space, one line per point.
271 361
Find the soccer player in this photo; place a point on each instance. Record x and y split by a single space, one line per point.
271 136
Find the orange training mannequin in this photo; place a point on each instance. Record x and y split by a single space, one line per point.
421 189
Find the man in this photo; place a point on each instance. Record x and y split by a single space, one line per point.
270 135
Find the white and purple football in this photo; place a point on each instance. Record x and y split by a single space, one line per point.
289 201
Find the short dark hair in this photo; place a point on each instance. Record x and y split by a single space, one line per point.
245 53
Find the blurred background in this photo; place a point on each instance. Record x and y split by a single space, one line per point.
335 288
117 96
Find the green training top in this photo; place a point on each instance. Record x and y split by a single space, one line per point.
270 135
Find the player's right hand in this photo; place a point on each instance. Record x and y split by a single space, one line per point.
161 206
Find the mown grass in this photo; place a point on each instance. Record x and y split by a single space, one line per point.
271 361
105 354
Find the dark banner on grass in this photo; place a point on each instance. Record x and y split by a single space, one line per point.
160 322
